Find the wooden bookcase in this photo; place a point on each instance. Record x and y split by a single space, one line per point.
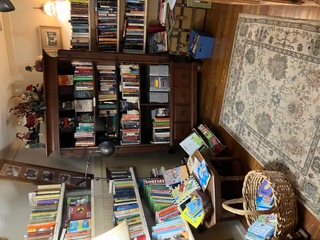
182 101
109 26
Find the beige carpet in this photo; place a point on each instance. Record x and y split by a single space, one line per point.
272 99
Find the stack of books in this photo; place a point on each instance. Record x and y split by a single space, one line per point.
83 103
161 128
130 129
264 226
84 133
126 207
83 79
107 28
130 118
156 193
130 80
108 95
168 213
46 203
171 229
134 26
79 20
77 218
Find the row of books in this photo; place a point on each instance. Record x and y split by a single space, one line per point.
83 105
79 20
46 214
84 132
130 114
168 215
134 26
161 126
156 194
107 99
126 206
107 25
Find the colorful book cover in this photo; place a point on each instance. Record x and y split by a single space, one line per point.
175 175
79 225
265 188
194 220
194 206
201 172
78 207
79 212
192 143
262 228
183 191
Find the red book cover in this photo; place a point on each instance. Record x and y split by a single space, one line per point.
79 212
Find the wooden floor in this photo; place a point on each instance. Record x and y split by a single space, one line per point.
221 22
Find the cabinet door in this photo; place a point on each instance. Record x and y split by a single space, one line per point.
183 100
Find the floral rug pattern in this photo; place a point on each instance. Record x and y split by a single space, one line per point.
272 98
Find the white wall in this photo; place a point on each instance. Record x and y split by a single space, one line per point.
7 135
19 46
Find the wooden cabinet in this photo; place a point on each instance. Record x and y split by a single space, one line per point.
182 103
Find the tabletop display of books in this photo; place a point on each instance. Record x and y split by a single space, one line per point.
264 226
190 204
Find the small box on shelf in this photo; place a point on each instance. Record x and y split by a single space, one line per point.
200 45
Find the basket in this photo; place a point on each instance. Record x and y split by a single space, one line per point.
284 208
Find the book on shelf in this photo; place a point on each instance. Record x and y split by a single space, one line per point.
158 42
65 80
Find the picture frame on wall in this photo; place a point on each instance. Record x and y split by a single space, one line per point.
50 38
37 174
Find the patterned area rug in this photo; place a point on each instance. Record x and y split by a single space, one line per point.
272 99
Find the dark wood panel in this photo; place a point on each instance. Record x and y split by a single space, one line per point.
221 22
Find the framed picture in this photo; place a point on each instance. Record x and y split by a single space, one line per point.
50 37
42 175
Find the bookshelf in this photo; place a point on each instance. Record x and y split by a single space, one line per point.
109 25
111 101
47 210
127 204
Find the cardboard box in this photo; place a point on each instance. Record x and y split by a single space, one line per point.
200 45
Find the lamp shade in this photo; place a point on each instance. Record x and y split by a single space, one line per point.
6 6
106 148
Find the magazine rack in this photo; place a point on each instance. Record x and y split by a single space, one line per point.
284 207
221 173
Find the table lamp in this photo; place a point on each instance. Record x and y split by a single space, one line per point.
6 6
106 149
